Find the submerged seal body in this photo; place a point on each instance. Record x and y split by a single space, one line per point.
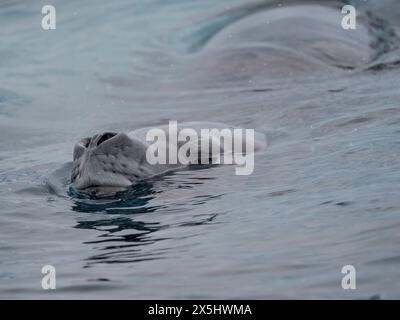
110 162
281 42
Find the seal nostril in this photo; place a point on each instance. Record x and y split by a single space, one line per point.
105 137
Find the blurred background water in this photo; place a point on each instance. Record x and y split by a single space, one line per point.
324 194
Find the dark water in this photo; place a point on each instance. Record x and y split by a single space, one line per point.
324 194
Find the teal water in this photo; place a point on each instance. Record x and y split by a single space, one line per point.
324 194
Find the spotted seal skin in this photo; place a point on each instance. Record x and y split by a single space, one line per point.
110 162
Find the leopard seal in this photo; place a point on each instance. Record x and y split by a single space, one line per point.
113 161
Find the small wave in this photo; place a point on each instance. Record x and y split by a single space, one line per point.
385 42
386 61
193 38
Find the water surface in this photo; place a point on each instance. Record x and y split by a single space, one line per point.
324 194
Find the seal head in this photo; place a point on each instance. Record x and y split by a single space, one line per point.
108 161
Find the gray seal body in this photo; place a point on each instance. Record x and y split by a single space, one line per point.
109 162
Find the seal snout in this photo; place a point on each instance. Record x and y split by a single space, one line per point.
104 160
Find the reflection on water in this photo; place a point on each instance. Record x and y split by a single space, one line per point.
126 237
123 233
131 201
